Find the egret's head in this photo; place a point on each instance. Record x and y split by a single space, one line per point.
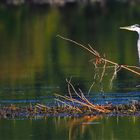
135 27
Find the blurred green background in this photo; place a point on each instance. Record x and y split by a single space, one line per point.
34 62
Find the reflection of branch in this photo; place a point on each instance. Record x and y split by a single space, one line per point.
96 54
76 123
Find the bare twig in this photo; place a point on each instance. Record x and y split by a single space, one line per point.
98 62
87 104
96 54
103 72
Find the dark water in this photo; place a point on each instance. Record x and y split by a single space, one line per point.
34 64
95 128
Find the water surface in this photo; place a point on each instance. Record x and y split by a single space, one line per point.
97 128
34 62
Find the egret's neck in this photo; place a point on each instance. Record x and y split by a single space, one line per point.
139 34
138 45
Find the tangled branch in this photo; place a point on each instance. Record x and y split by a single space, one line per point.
100 59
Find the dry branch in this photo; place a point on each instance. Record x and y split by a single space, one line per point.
82 100
97 55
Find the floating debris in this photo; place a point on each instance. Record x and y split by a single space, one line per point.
43 111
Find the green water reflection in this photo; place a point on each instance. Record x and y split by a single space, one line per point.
32 58
95 128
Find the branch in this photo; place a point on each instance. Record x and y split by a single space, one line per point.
96 54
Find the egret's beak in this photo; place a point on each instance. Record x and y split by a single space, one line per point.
127 28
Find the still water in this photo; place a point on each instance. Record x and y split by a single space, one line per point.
34 64
94 128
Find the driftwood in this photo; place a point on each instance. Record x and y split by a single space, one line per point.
81 100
